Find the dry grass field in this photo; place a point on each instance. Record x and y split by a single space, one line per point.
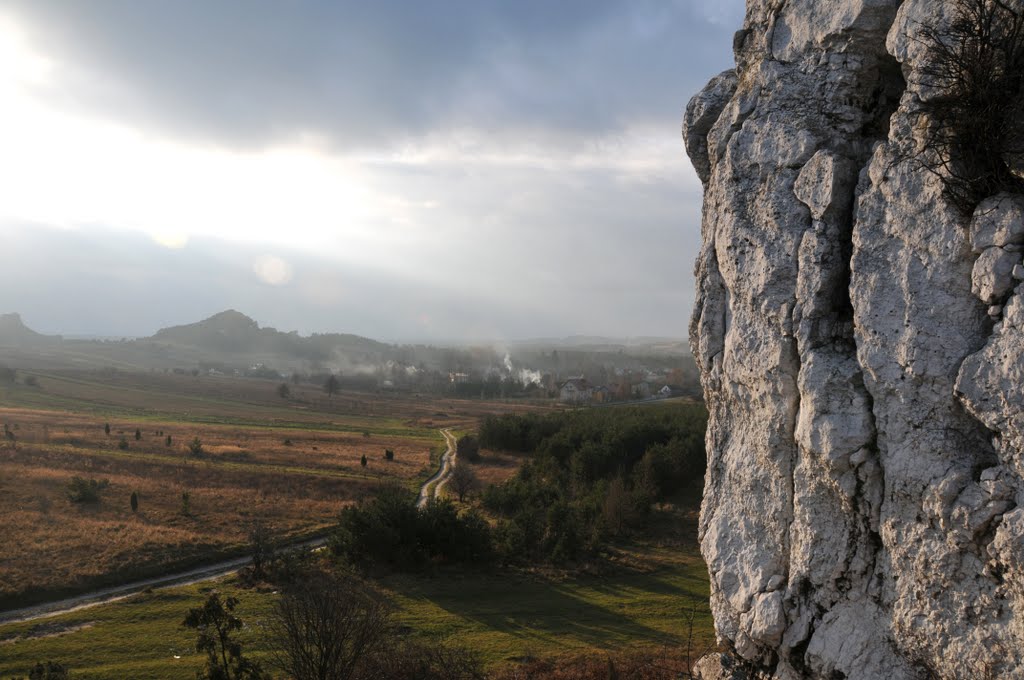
291 464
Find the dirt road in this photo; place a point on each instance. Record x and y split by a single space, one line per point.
432 487
207 572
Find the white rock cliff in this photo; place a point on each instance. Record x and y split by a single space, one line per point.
861 345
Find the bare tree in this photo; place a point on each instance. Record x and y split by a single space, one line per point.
463 481
261 544
973 121
332 385
328 628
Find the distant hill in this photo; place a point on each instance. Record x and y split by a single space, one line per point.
14 333
232 331
231 341
226 331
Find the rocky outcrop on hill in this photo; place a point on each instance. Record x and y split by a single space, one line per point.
14 333
861 345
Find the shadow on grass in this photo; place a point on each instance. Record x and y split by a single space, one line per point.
586 611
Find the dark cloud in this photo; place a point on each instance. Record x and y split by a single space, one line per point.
363 74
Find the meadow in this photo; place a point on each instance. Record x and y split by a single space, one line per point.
290 464
642 600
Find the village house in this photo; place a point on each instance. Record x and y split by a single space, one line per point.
576 391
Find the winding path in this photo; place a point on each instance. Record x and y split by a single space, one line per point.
432 487
207 572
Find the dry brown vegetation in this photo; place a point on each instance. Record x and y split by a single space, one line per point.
495 467
292 464
56 545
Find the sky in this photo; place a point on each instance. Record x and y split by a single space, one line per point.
449 170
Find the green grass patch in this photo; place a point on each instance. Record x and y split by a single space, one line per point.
140 637
504 616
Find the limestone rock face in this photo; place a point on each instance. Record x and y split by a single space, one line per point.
861 347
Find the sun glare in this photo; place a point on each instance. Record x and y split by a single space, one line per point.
19 65
109 174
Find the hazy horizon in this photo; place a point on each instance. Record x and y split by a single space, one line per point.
564 340
476 171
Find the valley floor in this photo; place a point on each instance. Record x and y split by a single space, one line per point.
642 598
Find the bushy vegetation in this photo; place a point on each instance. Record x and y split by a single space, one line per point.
51 670
594 475
391 530
468 448
81 490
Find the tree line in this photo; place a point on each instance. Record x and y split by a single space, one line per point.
594 476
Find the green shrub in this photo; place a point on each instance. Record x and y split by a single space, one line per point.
216 624
391 530
468 448
51 670
594 475
81 490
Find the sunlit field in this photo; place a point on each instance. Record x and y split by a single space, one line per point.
289 464
643 603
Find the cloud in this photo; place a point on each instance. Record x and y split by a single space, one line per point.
466 169
113 283
356 74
